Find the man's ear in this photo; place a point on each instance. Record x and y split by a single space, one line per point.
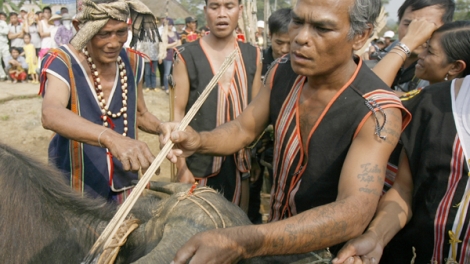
457 68
75 24
361 38
240 12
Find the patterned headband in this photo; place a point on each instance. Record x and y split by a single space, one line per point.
93 17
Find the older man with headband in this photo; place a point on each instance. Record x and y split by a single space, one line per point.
93 100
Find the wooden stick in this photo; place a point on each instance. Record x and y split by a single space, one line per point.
105 238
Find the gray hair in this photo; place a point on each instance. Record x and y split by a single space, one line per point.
362 15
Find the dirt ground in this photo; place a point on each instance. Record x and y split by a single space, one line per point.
20 120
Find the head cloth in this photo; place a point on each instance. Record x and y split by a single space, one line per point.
93 17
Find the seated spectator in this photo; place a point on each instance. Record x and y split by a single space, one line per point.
16 66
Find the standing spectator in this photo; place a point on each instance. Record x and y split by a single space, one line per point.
64 10
64 32
31 26
172 42
150 49
259 38
16 32
55 22
45 32
190 33
388 38
4 52
16 66
179 25
22 16
436 11
31 58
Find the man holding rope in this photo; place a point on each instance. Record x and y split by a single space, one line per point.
335 125
195 65
93 100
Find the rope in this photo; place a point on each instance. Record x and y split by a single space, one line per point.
189 196
111 251
104 240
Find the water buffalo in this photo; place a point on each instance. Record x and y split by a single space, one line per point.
43 221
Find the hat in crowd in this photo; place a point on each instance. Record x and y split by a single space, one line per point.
190 19
381 40
389 34
54 18
66 16
170 21
23 10
179 21
260 24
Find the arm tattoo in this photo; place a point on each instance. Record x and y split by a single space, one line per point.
368 175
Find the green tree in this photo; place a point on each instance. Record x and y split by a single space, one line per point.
462 10
8 5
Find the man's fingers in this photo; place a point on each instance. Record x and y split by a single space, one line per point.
346 252
126 165
184 254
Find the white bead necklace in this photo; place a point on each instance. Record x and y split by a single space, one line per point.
105 112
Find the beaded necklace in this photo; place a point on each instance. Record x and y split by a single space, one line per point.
106 114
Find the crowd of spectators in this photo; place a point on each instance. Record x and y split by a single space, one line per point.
26 36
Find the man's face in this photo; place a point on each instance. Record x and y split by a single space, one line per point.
46 14
319 36
13 19
108 42
222 16
15 54
3 17
191 26
431 13
280 43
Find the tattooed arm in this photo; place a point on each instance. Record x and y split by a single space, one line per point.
359 189
393 212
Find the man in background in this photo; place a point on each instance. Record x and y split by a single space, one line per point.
262 154
190 33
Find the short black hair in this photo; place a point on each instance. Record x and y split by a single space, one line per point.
26 34
3 13
48 8
447 5
14 48
12 13
455 41
239 2
278 22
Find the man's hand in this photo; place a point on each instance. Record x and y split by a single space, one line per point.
363 249
216 246
133 154
186 142
185 175
419 31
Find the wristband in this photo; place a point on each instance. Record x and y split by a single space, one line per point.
404 48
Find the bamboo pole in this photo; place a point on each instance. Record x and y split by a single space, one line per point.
106 236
